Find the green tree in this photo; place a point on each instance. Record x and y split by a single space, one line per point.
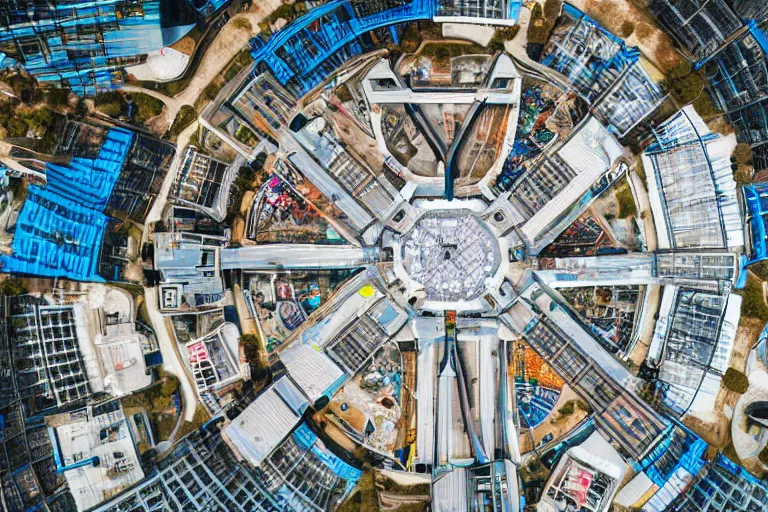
735 381
684 84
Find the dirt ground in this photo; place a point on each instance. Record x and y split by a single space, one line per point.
625 20
552 425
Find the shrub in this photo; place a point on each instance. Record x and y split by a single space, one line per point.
735 381
753 303
211 90
627 28
58 97
240 61
743 153
243 24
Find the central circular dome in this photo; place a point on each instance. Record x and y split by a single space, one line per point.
450 253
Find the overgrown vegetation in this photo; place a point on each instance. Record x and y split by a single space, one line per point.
111 103
626 200
200 417
502 34
415 33
752 300
147 106
288 12
158 401
19 187
760 269
184 118
567 410
735 381
240 61
255 354
21 120
363 496
58 97
684 84
542 22
248 178
12 286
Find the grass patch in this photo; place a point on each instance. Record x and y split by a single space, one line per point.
157 400
363 496
201 416
186 116
147 106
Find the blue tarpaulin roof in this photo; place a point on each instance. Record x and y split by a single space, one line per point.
61 226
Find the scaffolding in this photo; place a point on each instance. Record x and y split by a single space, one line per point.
603 70
306 52
700 26
83 45
752 10
756 210
738 83
723 485
691 347
201 474
691 186
483 9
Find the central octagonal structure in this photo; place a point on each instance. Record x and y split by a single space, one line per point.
450 253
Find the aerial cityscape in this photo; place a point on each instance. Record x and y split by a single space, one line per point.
383 255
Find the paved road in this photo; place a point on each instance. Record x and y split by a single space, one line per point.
304 256
171 360
156 212
644 206
228 43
